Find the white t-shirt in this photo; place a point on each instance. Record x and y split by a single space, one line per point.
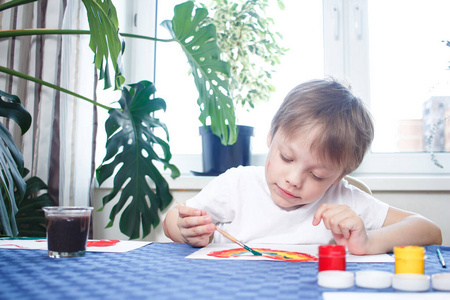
239 202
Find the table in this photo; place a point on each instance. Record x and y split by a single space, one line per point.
160 271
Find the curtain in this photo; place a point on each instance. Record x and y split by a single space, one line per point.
59 148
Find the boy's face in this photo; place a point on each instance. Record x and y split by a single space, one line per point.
296 176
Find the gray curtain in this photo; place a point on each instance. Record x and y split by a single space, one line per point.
60 146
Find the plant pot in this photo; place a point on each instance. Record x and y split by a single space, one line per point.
217 158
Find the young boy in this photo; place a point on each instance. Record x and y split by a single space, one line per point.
319 134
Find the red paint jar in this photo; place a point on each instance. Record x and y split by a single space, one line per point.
332 257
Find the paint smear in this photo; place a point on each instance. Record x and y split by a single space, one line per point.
273 254
102 243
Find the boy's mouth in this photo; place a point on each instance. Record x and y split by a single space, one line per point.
288 195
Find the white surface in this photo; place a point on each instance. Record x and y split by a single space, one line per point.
336 279
411 282
373 279
308 249
41 244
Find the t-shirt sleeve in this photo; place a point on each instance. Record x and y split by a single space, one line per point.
372 211
215 198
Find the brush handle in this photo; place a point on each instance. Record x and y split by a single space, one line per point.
227 235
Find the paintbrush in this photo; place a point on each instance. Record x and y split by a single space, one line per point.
231 238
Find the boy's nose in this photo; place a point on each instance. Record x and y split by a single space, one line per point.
295 179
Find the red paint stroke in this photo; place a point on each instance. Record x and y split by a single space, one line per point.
102 243
13 245
23 247
274 254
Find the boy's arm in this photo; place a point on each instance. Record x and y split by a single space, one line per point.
402 228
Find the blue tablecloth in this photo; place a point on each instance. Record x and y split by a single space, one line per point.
160 271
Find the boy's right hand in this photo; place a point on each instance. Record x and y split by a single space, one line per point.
195 226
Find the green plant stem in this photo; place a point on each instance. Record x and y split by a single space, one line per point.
14 3
49 31
146 37
50 85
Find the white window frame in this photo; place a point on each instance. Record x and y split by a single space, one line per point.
346 48
404 171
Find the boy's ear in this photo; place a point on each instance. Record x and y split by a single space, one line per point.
269 139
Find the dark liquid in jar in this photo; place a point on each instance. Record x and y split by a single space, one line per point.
67 233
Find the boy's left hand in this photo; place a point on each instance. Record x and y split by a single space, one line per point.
346 226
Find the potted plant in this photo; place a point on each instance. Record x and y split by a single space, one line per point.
124 156
248 42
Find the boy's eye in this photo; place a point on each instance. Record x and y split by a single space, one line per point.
284 158
315 177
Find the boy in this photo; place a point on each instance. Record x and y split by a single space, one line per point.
319 134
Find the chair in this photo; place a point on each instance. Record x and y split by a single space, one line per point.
358 183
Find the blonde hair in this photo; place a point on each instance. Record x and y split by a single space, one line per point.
345 124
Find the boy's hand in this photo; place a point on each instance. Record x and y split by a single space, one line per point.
347 228
195 226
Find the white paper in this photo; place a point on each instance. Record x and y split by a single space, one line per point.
308 249
385 296
92 246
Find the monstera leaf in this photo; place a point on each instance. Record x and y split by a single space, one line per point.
30 217
104 42
199 43
11 162
130 152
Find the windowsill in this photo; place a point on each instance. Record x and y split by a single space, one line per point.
413 181
403 180
377 183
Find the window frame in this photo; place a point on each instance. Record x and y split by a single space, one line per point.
340 44
346 47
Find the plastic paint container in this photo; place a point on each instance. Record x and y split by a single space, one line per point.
411 282
373 279
331 257
336 279
409 259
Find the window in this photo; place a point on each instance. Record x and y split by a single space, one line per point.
392 52
300 23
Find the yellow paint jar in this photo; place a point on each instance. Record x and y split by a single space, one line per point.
409 259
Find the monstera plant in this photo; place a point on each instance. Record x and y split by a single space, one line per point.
131 137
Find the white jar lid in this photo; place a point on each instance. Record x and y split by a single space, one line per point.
411 282
336 279
372 279
441 281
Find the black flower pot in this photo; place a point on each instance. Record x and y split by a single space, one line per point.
218 158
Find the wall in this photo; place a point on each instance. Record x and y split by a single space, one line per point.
432 204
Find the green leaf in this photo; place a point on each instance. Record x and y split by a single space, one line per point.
130 157
11 163
211 73
105 42
14 110
30 217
